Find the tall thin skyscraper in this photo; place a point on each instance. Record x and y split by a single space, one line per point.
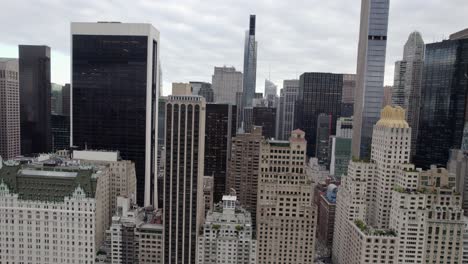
35 91
318 93
66 99
9 109
407 83
114 92
443 101
347 98
220 128
370 73
183 183
250 64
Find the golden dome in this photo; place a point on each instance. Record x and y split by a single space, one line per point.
393 117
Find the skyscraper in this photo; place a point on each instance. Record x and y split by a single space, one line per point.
370 73
347 98
243 169
341 147
266 118
35 90
250 64
115 94
66 99
443 101
407 83
226 83
286 110
318 93
322 146
56 104
220 128
271 95
207 92
9 109
286 214
183 185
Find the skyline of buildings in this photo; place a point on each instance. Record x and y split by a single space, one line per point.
277 203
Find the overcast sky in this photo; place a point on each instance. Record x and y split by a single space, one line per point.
294 36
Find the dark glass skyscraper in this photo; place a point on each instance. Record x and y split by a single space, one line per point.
115 94
60 127
318 93
35 92
220 128
266 118
443 101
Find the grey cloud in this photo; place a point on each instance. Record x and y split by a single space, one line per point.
294 36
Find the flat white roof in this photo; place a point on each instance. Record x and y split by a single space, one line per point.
63 174
96 155
114 28
229 198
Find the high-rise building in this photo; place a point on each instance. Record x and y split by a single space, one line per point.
52 214
226 83
35 90
220 128
387 95
183 183
465 242
60 128
286 214
56 103
443 102
347 97
227 236
370 73
407 83
114 92
136 234
181 89
318 93
208 193
204 89
271 95
322 146
9 109
286 108
266 118
66 99
326 218
250 64
243 169
341 147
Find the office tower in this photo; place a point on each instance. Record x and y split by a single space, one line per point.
183 184
318 93
250 64
271 95
60 128
161 154
56 103
66 99
347 98
220 128
227 235
41 201
407 83
266 118
443 102
458 166
34 86
207 92
114 93
121 172
370 73
341 147
326 218
226 83
285 212
387 96
243 169
136 234
181 89
287 105
9 109
322 148
208 193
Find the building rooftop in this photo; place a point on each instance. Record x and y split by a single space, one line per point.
35 182
393 117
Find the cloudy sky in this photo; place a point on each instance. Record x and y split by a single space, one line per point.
294 36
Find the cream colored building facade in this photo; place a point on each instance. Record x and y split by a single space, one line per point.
286 214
